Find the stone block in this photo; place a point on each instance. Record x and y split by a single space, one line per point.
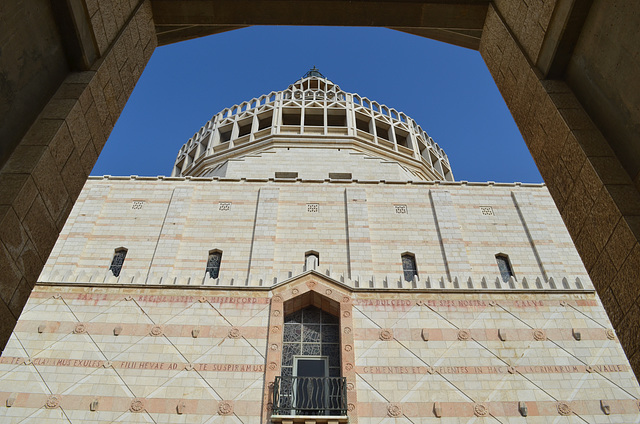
577 119
12 234
99 100
74 174
614 312
602 272
7 323
76 122
573 156
577 208
92 7
11 275
610 170
61 146
50 185
620 243
626 198
24 159
592 182
562 179
605 216
29 262
40 227
20 296
88 159
587 250
98 138
58 108
628 330
626 284
41 132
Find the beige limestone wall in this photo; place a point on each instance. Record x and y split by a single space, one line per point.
360 165
140 352
360 229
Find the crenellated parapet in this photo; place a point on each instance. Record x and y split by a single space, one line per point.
377 282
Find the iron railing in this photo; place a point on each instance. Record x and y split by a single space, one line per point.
310 396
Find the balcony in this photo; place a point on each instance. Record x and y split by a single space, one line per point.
319 400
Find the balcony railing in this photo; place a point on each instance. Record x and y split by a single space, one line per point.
310 396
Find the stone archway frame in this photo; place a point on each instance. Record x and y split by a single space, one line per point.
337 300
525 45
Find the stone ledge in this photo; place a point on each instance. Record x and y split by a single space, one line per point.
309 419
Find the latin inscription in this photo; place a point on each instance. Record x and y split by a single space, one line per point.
540 369
138 365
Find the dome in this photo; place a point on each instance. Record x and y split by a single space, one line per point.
318 129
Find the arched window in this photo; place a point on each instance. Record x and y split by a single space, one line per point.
213 263
506 271
117 261
409 266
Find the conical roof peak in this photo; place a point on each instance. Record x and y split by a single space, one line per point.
314 72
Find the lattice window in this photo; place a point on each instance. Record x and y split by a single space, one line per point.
401 208
137 204
311 332
313 207
117 261
409 266
504 264
486 210
213 263
224 206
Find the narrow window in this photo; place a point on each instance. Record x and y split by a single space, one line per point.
117 261
311 259
409 266
505 267
213 263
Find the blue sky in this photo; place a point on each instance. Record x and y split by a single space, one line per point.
446 89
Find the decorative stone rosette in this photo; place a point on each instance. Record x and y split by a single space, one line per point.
80 328
386 334
156 331
394 410
234 333
137 405
464 335
225 408
53 401
480 410
539 335
564 408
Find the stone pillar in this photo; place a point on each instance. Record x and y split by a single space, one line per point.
358 235
263 244
454 250
595 196
44 175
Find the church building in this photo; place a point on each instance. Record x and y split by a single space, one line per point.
312 260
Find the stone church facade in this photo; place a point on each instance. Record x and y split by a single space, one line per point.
311 259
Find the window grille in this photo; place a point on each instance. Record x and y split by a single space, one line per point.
117 261
213 264
401 208
312 207
311 332
486 210
505 267
224 206
137 204
409 266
